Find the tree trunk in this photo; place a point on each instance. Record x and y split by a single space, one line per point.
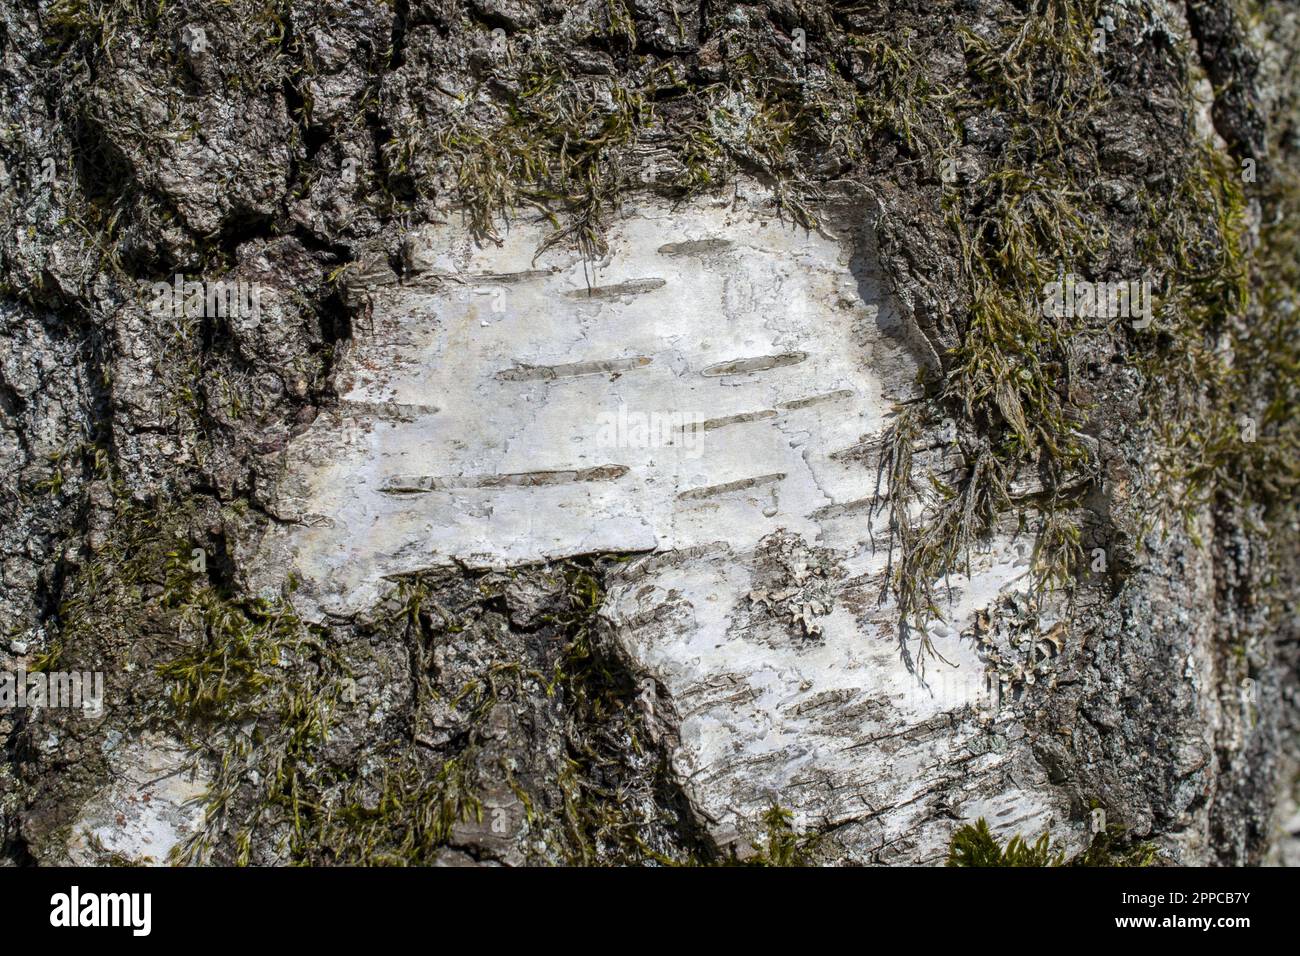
625 432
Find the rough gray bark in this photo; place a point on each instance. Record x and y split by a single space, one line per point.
364 584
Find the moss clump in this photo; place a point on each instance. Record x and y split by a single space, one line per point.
975 845
1232 366
98 30
559 145
241 645
407 824
782 844
1023 222
242 680
253 690
534 135
1111 847
1219 367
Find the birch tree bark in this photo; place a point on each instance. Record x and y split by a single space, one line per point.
628 432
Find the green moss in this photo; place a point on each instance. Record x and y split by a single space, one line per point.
902 101
558 144
570 147
252 688
228 667
272 783
1112 847
407 824
974 845
1017 226
620 23
1221 359
241 648
782 844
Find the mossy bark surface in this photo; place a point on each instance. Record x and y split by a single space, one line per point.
962 156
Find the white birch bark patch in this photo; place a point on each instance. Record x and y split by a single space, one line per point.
708 394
